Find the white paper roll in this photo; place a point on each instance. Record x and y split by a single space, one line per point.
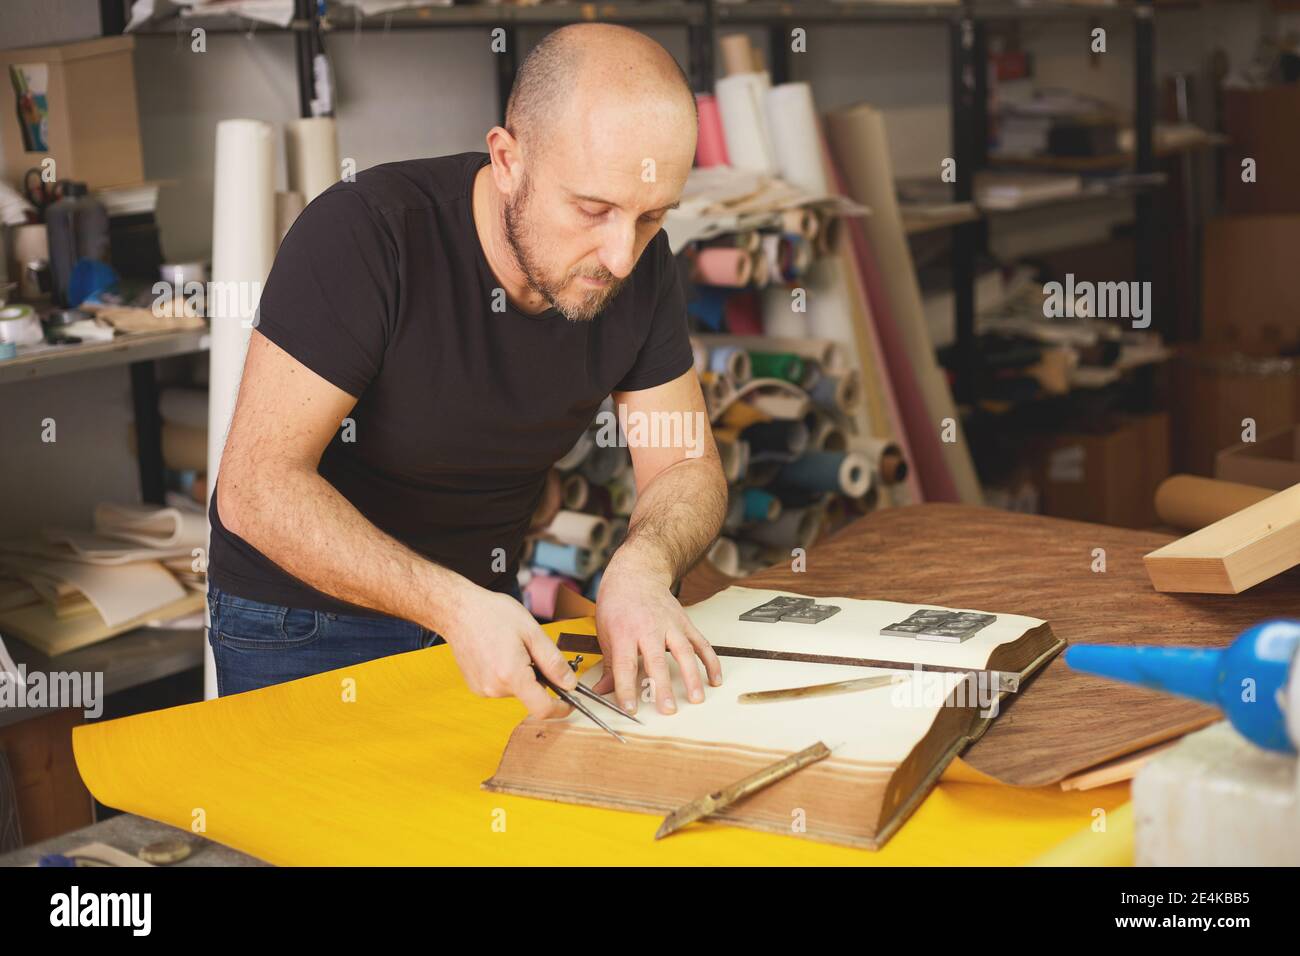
312 150
744 123
243 247
792 120
582 530
725 556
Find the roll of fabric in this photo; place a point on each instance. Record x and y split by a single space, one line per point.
849 473
842 392
785 439
801 256
825 435
801 221
599 501
603 465
792 119
780 319
724 266
742 314
622 498
829 353
565 559
783 365
741 100
731 360
735 458
576 528
312 154
711 142
887 460
617 532
795 528
243 247
827 240
541 591
761 275
573 491
708 306
740 415
715 386
735 516
760 505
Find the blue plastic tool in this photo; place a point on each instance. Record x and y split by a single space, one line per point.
1248 680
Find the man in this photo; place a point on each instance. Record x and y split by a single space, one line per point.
431 339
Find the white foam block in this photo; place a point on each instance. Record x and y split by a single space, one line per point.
1215 799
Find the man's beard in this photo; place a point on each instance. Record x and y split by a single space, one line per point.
520 236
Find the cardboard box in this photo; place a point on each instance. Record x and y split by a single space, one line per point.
1272 461
1214 392
1109 478
74 102
1251 300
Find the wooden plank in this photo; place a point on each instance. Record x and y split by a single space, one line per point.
1235 553
1061 722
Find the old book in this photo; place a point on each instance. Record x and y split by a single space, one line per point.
890 744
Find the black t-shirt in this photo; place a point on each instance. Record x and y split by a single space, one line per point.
382 288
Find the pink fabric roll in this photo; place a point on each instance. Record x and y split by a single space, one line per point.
540 594
711 144
743 314
722 266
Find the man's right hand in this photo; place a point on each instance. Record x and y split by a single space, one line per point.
496 642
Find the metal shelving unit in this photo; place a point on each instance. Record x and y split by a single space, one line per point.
966 22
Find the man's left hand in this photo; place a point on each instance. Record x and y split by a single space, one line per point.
637 614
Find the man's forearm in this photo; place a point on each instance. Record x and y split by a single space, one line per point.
676 518
301 522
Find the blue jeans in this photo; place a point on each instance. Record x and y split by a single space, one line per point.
256 645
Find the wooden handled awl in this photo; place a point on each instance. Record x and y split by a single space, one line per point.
721 799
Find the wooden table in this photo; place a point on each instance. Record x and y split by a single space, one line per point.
1061 722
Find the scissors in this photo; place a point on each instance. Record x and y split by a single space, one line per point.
569 698
40 193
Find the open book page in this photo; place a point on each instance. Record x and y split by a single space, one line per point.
853 632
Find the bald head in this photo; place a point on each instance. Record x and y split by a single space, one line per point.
600 67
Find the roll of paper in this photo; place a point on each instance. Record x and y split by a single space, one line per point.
735 458
741 100
711 142
312 150
737 53
842 392
243 247
542 590
792 119
582 530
